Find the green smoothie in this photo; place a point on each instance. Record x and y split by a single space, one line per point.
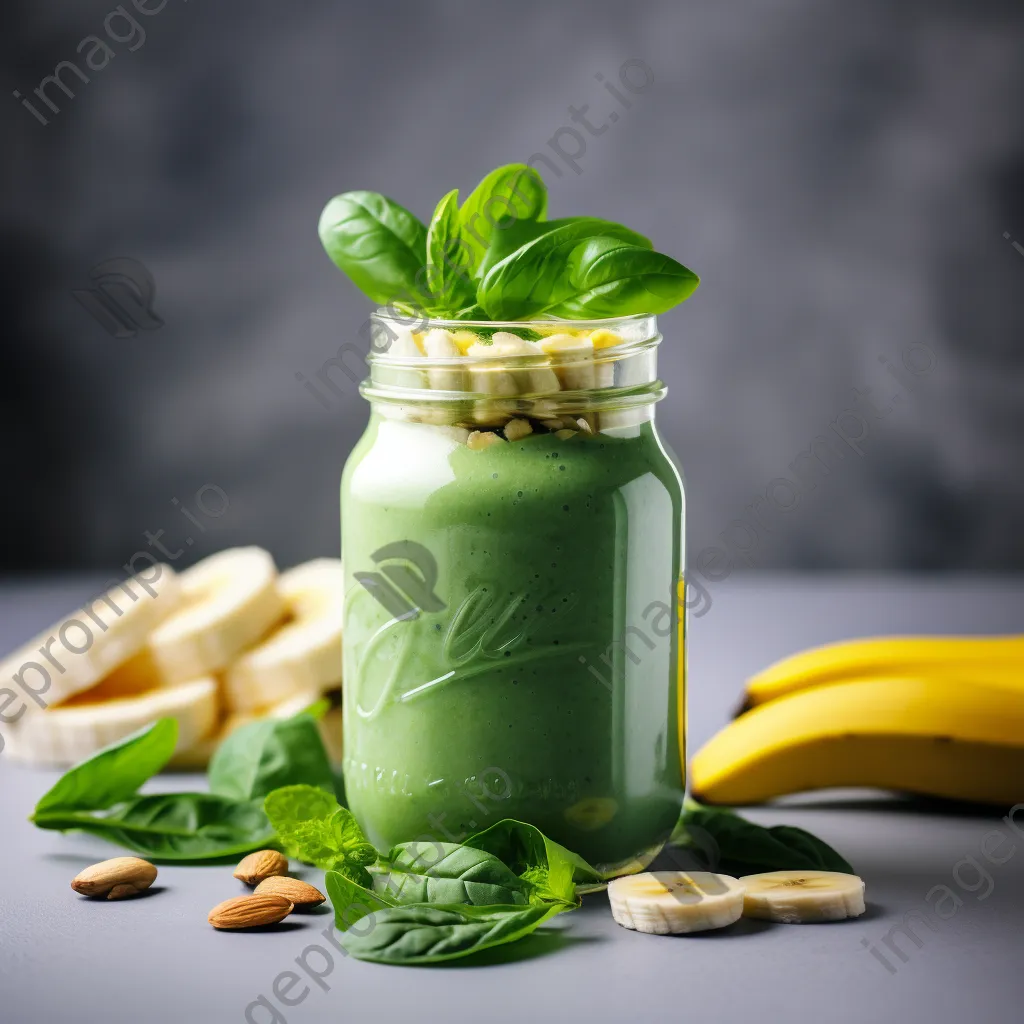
539 677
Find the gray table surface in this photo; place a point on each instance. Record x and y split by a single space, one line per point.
155 960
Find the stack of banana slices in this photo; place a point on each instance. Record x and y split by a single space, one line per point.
679 902
934 716
224 643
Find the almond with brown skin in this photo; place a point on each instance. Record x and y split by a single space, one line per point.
115 878
302 894
261 864
250 911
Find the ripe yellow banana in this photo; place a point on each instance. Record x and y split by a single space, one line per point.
996 659
935 737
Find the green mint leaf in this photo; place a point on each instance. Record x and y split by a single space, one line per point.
448 259
314 828
610 277
732 845
173 826
429 872
113 774
430 934
509 195
379 244
266 755
535 277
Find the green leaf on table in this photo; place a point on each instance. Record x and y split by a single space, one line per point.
352 901
610 277
451 288
113 774
734 846
434 872
551 871
379 244
508 196
314 828
534 278
266 755
430 934
172 826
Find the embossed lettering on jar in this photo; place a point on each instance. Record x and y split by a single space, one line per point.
512 530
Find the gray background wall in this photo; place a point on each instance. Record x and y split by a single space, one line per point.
841 175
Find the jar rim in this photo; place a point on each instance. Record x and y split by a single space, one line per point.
635 321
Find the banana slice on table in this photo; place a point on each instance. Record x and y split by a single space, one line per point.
675 902
803 897
230 601
303 655
69 733
84 648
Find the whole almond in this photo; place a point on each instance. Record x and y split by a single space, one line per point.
261 864
115 878
250 911
302 894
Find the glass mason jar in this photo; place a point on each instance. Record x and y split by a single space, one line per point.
512 534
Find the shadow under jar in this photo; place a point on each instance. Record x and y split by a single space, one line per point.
512 533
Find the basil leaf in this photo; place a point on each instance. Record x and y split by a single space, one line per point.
548 868
352 901
739 847
173 826
610 277
506 240
423 934
448 258
314 828
380 245
428 872
534 277
266 755
508 196
114 773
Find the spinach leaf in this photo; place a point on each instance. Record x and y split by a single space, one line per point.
534 277
508 196
114 773
548 868
266 755
424 934
734 846
172 826
314 828
380 245
428 872
609 277
449 281
351 901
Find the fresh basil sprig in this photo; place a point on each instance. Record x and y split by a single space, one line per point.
732 845
497 258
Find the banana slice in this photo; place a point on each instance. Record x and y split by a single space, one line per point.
67 734
303 655
230 601
86 647
803 897
675 902
574 360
